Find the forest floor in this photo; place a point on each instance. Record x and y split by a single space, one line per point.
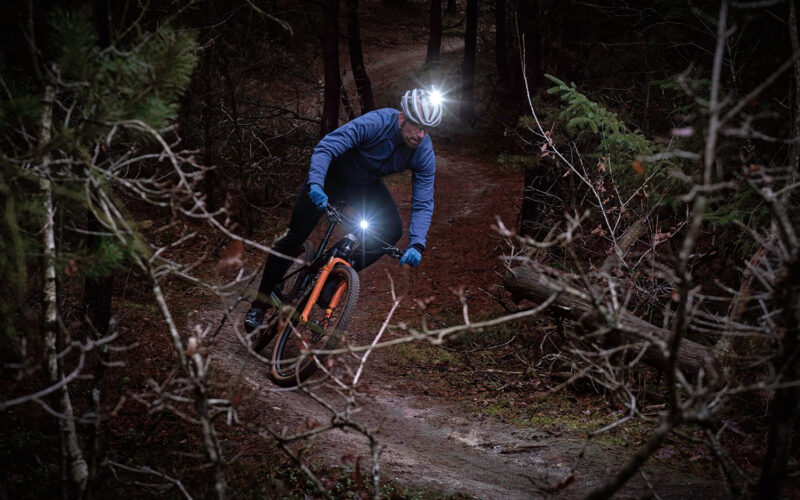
436 435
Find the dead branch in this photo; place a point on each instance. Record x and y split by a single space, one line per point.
623 244
533 285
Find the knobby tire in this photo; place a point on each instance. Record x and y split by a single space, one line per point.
296 339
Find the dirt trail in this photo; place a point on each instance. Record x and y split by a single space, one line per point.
429 441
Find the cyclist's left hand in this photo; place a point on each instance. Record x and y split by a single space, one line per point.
411 257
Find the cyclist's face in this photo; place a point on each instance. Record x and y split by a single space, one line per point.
412 133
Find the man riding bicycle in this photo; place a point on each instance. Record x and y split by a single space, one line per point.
347 166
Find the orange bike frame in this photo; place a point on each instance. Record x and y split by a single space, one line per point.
326 271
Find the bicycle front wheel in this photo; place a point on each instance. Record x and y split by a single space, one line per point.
293 360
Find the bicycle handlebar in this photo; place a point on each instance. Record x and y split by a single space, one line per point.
337 217
393 252
334 215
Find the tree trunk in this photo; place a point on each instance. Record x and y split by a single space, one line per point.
501 45
468 68
794 160
725 346
435 35
97 291
530 47
623 244
209 104
363 85
538 179
348 108
527 283
49 302
330 61
102 24
786 403
232 102
97 315
77 465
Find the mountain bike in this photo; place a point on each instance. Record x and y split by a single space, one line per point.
314 303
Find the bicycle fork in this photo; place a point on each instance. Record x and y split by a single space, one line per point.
323 277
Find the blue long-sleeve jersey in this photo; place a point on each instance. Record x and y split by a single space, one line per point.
370 147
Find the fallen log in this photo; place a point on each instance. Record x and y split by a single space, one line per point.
623 244
525 282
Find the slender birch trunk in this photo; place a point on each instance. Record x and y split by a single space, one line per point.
48 231
78 468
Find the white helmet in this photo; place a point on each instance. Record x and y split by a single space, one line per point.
420 108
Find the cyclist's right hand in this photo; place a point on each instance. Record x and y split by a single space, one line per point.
318 196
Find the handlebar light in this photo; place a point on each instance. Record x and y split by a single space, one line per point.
364 224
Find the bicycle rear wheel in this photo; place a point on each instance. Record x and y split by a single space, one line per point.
288 288
291 361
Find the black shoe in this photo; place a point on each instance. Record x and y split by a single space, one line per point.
253 319
328 291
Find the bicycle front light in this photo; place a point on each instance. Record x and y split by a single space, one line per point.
364 224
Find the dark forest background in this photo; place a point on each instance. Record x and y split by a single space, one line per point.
660 145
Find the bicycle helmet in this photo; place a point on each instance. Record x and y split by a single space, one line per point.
420 108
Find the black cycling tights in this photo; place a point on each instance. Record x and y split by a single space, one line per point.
371 201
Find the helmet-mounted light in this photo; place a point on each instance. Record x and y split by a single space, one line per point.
421 108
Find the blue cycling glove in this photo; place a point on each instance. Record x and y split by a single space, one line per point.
318 196
411 257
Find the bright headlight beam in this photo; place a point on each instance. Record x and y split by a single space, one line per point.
364 224
436 97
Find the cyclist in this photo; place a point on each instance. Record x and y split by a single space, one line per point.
347 166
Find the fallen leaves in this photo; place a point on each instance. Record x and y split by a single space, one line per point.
232 255
660 237
665 453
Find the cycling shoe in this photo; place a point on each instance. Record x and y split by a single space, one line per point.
253 319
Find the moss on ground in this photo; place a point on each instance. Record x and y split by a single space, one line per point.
494 383
289 483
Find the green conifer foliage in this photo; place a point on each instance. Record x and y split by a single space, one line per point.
619 151
138 78
141 80
584 115
73 41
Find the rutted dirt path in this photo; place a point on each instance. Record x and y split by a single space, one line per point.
430 441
